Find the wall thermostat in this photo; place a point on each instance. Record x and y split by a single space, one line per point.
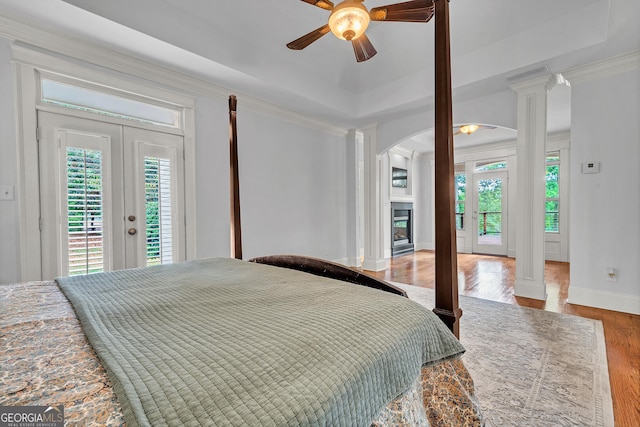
591 167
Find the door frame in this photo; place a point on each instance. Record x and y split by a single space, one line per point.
478 248
29 65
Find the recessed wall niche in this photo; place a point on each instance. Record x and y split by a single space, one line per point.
400 174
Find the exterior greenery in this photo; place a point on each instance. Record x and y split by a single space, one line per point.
552 208
489 206
461 194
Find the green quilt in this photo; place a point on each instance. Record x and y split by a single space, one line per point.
230 343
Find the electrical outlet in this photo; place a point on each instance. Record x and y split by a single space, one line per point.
6 192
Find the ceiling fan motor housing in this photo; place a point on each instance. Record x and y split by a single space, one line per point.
349 20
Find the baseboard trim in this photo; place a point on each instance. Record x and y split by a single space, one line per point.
424 247
606 300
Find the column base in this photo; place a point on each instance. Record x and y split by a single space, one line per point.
530 289
373 264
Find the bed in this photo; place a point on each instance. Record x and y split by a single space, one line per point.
227 342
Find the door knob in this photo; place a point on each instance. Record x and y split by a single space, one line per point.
132 231
131 218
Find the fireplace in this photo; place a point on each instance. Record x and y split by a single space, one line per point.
401 228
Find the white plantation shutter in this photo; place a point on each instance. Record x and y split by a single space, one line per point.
158 204
85 233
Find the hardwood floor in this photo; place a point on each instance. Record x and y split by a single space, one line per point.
492 278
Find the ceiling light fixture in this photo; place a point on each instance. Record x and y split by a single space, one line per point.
349 20
469 129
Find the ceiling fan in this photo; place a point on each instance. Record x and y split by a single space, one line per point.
350 19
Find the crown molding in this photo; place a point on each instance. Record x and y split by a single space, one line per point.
53 43
609 67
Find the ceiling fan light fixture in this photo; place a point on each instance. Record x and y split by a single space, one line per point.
469 129
349 20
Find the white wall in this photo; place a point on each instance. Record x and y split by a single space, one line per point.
9 249
292 178
292 189
212 175
605 207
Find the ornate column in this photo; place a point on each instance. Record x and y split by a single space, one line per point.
531 173
373 227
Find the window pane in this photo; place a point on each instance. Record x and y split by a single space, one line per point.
460 216
79 98
489 211
461 192
461 187
492 165
552 181
84 211
552 216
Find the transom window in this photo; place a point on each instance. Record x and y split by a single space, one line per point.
490 165
77 97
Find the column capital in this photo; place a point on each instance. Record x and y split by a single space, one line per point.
356 135
546 81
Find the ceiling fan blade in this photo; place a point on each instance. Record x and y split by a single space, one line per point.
363 48
309 38
323 4
410 11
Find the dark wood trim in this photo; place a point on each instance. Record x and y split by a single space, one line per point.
329 269
236 232
446 298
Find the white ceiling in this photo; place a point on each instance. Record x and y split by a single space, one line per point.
240 45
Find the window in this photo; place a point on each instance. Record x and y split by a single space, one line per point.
552 191
490 165
461 188
76 97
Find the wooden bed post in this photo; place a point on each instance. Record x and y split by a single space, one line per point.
446 304
236 232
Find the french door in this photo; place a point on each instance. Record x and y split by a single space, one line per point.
490 213
111 196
